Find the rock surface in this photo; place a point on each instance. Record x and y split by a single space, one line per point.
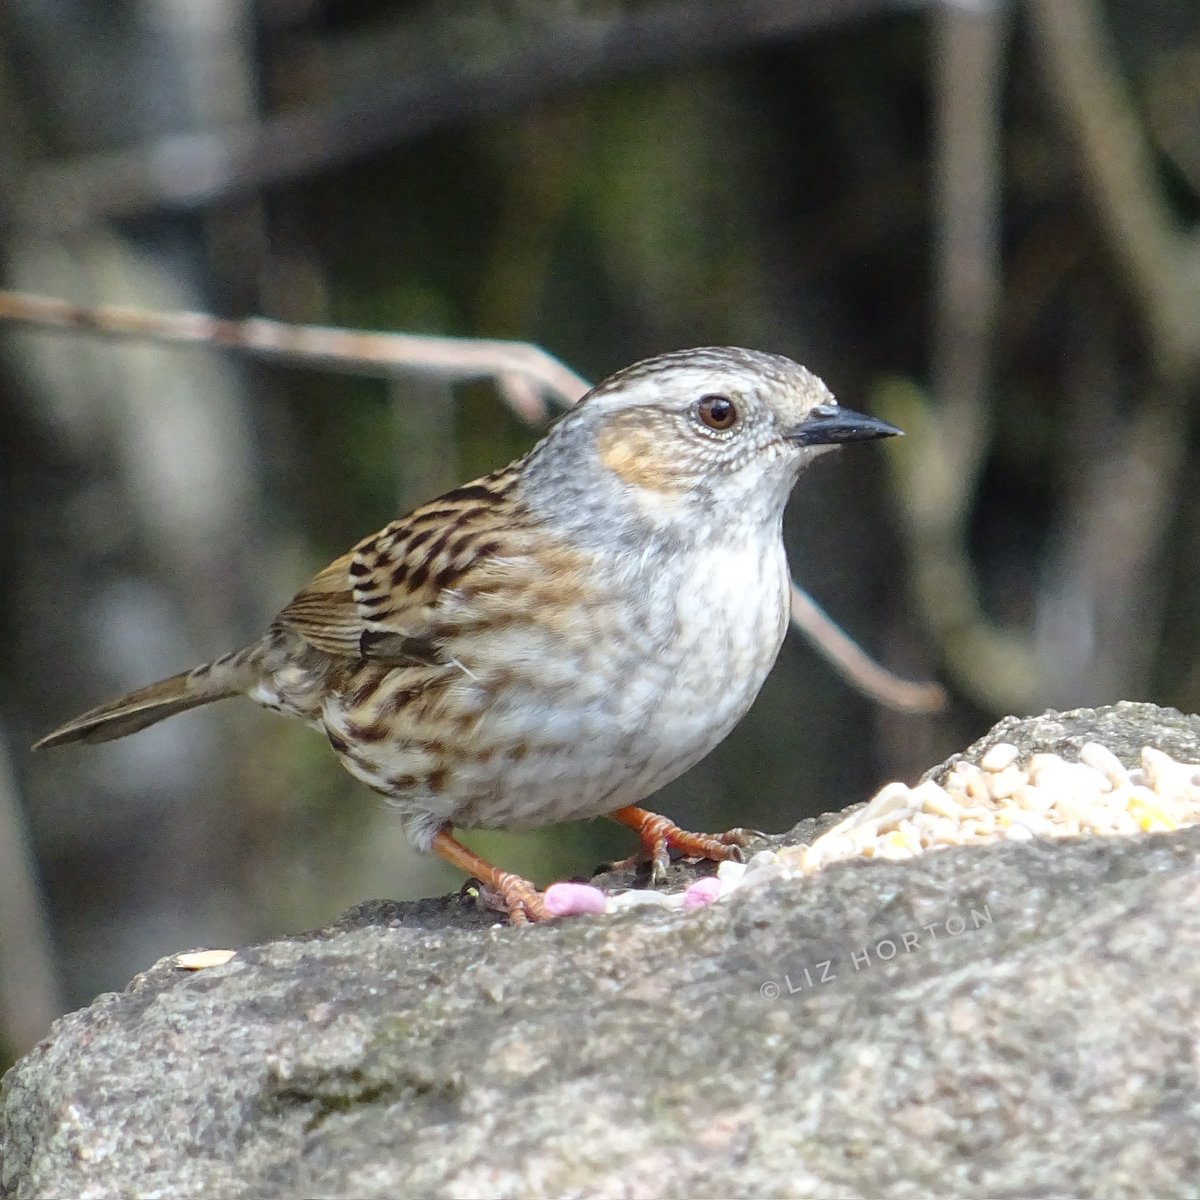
1016 1019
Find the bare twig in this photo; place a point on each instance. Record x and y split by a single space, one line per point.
524 373
855 666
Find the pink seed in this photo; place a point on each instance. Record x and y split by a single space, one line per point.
702 892
569 899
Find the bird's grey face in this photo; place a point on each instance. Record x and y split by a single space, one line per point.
733 424
717 429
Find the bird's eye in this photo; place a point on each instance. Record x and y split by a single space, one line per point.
717 412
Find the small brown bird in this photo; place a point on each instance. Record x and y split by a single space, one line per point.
562 637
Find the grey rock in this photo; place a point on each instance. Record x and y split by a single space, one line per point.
1012 1020
1125 728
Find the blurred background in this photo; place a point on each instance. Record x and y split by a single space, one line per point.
977 220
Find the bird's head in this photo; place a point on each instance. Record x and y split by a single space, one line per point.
716 429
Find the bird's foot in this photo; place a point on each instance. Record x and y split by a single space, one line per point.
500 890
659 836
515 896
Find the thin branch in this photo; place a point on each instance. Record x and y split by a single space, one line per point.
855 666
524 373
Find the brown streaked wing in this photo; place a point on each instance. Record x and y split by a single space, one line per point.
323 613
378 601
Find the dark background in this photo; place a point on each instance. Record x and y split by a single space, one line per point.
975 220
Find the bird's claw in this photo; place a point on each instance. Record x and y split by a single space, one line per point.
516 897
659 836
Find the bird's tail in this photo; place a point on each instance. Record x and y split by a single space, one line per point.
228 676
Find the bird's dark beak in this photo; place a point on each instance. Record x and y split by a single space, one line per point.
829 424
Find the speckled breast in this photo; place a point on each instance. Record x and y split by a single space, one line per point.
628 698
